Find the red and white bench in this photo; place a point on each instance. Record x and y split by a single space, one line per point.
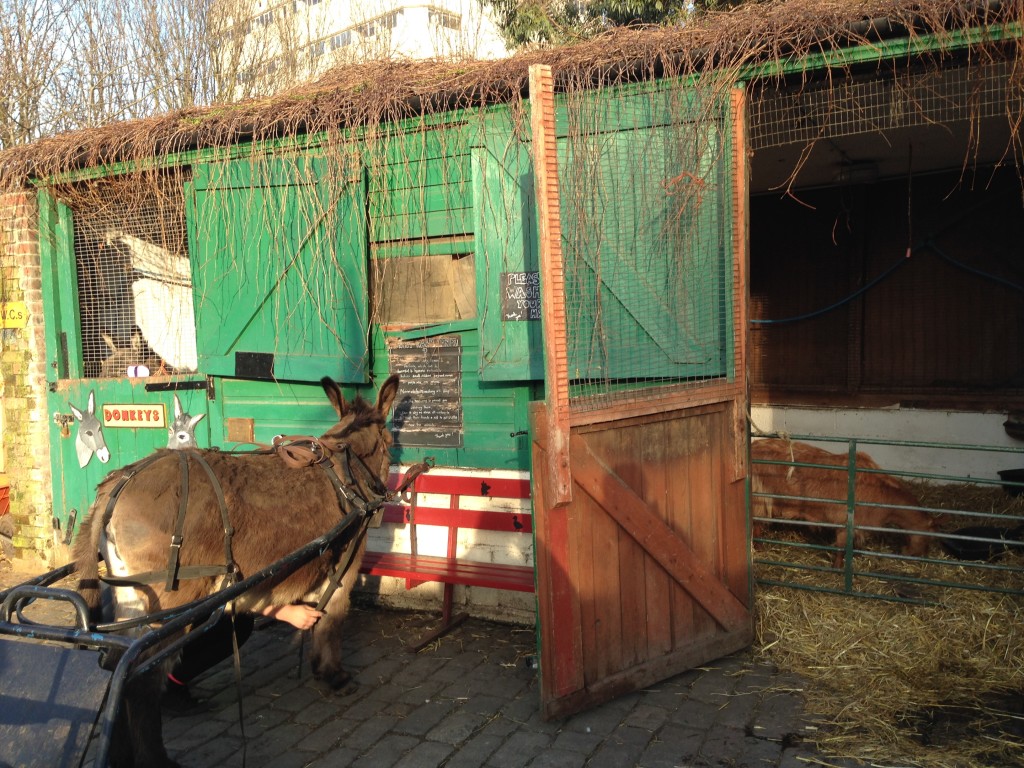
473 502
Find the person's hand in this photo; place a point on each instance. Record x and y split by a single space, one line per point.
298 615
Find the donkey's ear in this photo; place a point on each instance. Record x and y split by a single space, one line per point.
334 395
387 394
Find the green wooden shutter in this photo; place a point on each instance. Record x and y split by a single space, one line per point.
279 269
511 347
644 253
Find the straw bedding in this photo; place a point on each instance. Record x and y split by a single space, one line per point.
935 684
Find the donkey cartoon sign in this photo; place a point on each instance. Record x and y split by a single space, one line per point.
89 439
182 432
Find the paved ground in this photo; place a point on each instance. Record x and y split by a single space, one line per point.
471 700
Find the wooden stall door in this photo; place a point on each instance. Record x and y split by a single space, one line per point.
644 574
643 567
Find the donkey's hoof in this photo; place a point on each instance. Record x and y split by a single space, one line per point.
340 683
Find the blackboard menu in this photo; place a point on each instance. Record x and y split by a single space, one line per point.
520 296
429 407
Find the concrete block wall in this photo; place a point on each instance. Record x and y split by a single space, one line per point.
25 439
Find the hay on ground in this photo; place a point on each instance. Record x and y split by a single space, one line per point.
935 684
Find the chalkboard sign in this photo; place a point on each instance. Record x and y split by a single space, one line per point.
429 407
520 296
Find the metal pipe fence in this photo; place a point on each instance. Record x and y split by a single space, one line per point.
832 520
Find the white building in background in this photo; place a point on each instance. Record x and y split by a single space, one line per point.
295 40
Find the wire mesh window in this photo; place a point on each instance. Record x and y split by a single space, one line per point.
647 265
134 283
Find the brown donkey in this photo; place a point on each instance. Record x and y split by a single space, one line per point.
274 508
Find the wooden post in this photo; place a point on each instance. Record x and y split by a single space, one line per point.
556 366
740 259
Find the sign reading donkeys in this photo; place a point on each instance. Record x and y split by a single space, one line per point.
132 415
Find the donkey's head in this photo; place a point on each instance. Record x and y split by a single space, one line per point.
362 426
137 359
89 439
182 432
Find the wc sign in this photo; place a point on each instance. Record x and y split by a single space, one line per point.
13 314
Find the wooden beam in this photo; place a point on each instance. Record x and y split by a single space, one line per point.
741 269
561 644
552 283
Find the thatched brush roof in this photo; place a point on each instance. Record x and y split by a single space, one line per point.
376 92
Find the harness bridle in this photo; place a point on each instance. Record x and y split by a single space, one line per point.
358 488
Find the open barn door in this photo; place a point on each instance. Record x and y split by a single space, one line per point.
639 452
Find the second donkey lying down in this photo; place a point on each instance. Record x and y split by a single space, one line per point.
879 498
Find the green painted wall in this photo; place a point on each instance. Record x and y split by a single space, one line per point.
259 230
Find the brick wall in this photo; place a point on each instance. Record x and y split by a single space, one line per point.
25 442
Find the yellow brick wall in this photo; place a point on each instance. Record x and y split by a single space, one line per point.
25 442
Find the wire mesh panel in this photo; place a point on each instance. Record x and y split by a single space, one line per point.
827 517
869 103
644 190
134 282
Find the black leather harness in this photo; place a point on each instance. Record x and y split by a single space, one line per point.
362 495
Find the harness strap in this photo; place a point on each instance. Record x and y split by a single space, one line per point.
377 486
179 527
347 501
238 686
151 577
114 494
342 569
174 571
229 530
365 507
298 451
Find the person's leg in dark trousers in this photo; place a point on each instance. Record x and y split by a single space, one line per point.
200 655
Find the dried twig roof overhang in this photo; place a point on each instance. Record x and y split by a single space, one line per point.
374 93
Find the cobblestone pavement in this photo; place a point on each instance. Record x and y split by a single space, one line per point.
472 699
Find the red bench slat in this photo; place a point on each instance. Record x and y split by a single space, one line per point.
511 522
426 568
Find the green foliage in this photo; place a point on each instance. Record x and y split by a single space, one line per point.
556 22
626 12
523 22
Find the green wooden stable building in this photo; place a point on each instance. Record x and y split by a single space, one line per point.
392 221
